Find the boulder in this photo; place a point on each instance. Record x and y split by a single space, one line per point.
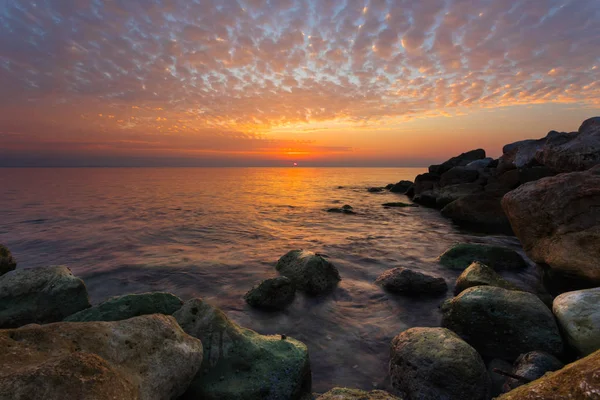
478 274
502 323
498 380
579 380
462 255
557 220
480 212
427 198
406 281
272 294
398 204
389 186
534 173
129 306
401 187
7 261
578 315
375 189
356 394
448 194
345 209
241 364
532 366
458 175
504 183
458 161
40 295
147 357
520 154
425 182
436 364
310 272
480 164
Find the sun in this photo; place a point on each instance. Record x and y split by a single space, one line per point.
295 164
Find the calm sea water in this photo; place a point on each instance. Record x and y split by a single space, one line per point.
215 232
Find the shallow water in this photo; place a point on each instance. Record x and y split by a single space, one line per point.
215 232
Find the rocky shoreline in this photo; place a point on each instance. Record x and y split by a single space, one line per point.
495 340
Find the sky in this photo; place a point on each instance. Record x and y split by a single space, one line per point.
273 82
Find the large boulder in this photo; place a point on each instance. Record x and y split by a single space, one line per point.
480 164
448 194
427 198
458 161
241 364
40 295
425 182
478 274
578 315
480 212
520 154
462 255
557 220
272 294
401 187
7 261
147 357
406 281
458 175
310 272
436 364
129 306
356 394
502 323
532 366
579 380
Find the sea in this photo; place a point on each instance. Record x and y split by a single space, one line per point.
215 232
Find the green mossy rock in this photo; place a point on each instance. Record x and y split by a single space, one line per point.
272 294
310 272
356 394
241 364
460 256
40 295
7 261
129 306
502 323
479 274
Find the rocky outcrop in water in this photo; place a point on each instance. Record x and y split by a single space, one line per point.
241 364
478 274
345 209
436 364
145 358
7 261
578 315
129 306
406 281
502 323
272 294
461 256
310 272
532 366
401 187
40 295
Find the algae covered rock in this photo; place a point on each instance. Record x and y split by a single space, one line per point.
406 281
533 366
460 256
310 272
241 364
479 274
40 295
128 306
272 294
147 357
7 261
502 323
356 394
578 314
436 364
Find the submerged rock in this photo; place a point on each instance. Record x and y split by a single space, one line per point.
533 366
502 323
129 306
40 295
399 204
406 281
310 272
401 187
375 189
478 274
7 261
272 294
436 364
579 380
578 314
480 211
345 209
356 394
241 364
148 357
460 256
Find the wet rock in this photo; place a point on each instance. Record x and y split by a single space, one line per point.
389 186
458 161
579 380
557 220
532 366
147 357
399 204
40 295
356 394
375 189
410 192
7 261
502 323
425 182
457 176
460 256
478 274
434 363
272 294
401 187
129 306
427 198
241 364
310 272
448 194
481 212
405 281
578 314
498 380
345 209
